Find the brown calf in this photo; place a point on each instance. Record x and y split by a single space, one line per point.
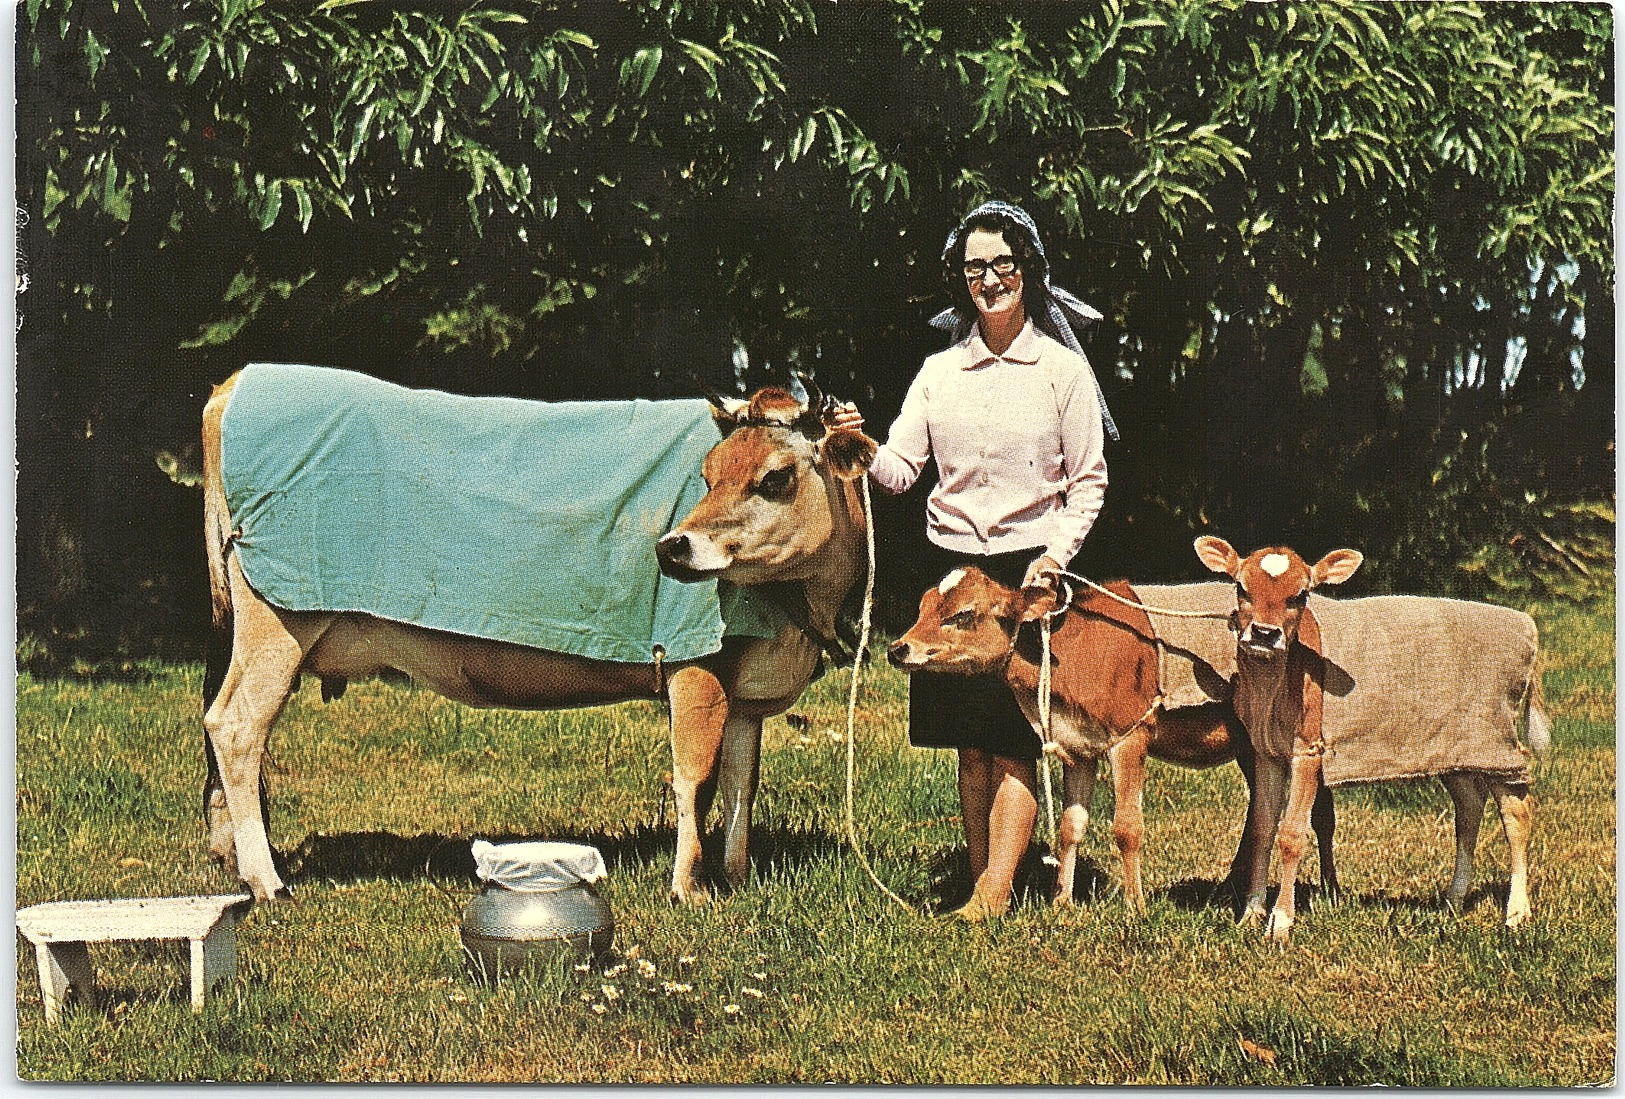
1104 704
1280 697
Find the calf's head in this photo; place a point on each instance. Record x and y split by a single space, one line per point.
1272 589
772 503
968 624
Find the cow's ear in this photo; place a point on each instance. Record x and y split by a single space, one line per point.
727 411
1035 601
1218 555
846 453
1336 567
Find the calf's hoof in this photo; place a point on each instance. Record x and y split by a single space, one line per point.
1251 916
1279 929
1518 917
979 909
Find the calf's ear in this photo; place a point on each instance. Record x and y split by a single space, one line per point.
1032 603
847 453
1218 555
1336 567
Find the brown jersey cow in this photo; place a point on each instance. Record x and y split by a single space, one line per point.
1281 697
806 528
1104 704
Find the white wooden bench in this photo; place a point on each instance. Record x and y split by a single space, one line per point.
61 930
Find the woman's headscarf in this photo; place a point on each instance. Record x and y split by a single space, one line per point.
1063 308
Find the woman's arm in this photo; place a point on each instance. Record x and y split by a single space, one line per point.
1083 461
907 448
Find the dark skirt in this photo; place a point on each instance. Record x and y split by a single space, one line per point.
975 711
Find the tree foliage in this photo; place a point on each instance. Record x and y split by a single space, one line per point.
1349 252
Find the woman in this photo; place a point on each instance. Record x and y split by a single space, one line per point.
1011 413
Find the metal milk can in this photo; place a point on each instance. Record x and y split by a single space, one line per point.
537 902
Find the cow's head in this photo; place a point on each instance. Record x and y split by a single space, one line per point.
968 624
1272 589
774 492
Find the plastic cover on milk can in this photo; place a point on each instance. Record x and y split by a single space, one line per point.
537 903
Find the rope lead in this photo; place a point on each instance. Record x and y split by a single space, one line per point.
852 703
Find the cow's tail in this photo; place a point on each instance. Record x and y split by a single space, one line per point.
1539 730
216 515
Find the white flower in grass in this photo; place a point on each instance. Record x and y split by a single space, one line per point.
753 992
599 1009
646 969
584 967
759 976
687 959
615 970
674 988
731 1009
611 993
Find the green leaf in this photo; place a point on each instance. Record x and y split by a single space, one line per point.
273 205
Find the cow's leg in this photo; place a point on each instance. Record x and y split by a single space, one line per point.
699 709
1078 786
1269 793
1128 817
1517 818
1323 819
1294 842
737 776
265 659
1468 792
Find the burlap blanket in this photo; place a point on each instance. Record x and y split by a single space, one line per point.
512 520
1414 686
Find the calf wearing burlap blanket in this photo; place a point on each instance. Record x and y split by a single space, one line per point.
1414 686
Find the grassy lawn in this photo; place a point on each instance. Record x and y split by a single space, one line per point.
808 974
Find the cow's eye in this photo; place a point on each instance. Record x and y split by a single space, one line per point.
777 484
963 620
1299 600
1241 594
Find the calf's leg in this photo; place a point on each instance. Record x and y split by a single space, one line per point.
1517 819
1078 784
1468 792
1294 842
1269 795
1323 819
1128 817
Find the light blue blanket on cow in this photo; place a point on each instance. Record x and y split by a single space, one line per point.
513 520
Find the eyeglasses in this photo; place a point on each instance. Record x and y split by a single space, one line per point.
1002 266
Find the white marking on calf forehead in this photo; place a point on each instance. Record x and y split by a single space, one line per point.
950 581
1274 564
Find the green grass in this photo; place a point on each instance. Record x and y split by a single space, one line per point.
809 973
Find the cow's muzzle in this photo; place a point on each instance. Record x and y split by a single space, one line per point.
676 554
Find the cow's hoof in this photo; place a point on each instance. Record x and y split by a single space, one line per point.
1251 917
282 894
1279 930
694 896
1517 919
